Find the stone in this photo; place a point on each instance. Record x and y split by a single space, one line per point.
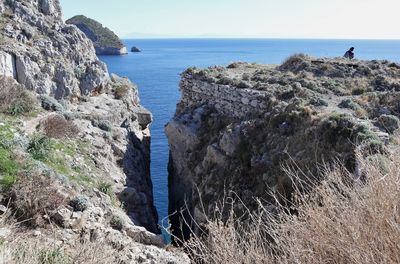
62 217
7 65
3 209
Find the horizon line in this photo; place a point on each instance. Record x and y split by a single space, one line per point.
258 38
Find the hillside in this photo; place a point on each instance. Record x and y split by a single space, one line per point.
104 40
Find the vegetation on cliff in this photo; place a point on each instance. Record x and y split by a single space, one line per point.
102 37
239 130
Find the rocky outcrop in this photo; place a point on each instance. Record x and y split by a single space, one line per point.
48 56
104 40
135 49
236 129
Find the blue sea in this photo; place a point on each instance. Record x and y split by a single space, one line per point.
156 70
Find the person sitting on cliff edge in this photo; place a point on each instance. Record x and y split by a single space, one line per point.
349 54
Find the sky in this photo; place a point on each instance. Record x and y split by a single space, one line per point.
332 19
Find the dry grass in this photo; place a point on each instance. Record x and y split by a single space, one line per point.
293 62
56 126
29 250
341 220
35 198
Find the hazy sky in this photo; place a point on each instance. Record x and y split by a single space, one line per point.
356 19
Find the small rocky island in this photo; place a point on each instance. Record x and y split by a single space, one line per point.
135 49
104 40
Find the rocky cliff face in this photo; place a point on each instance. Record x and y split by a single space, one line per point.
104 40
237 128
46 55
87 154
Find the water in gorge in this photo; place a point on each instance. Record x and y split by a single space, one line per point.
156 71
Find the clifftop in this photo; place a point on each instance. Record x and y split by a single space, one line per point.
237 127
104 40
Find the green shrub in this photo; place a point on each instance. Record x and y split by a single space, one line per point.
105 188
389 122
120 91
349 104
51 104
39 147
8 169
54 256
79 203
116 222
102 124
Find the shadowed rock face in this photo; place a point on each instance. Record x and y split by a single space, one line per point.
236 128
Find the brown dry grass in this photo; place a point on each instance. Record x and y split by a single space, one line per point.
35 198
340 221
56 126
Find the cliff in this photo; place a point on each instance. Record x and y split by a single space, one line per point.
104 40
75 181
237 128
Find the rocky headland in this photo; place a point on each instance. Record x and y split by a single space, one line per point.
104 40
74 149
238 128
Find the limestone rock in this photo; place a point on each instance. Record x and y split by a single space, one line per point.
46 55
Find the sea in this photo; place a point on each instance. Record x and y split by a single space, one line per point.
156 70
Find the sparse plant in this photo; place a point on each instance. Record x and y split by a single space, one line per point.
389 122
116 222
120 91
105 188
34 197
39 147
51 104
79 203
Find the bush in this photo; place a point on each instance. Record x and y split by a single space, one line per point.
116 222
56 126
389 122
120 91
349 104
14 99
294 63
39 147
102 124
80 203
51 104
8 169
33 197
105 188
